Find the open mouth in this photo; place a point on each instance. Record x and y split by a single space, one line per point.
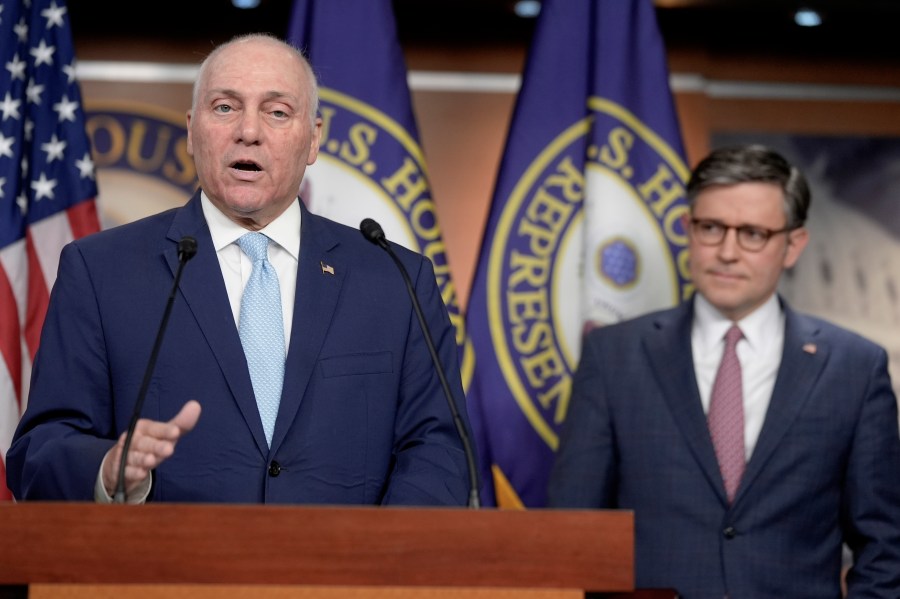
246 166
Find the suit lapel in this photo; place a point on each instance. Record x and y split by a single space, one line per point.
320 276
668 346
802 361
204 291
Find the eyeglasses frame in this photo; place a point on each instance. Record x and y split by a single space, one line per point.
769 233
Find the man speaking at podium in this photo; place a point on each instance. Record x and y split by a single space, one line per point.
293 370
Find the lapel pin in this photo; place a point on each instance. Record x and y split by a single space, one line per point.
810 348
327 268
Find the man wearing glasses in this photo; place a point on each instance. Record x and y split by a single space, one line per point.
750 440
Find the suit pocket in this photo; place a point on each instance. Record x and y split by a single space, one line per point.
356 364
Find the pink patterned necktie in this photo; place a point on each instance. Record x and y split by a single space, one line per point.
726 415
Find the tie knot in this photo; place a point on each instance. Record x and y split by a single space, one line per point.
733 335
255 245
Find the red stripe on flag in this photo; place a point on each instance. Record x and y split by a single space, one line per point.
11 351
5 494
83 218
38 298
10 341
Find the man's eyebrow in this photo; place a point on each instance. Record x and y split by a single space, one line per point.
721 222
269 95
286 97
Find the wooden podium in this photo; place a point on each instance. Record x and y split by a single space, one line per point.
76 550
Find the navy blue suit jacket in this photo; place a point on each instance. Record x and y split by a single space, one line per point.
826 467
362 419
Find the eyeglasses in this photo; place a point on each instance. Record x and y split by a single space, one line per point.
750 238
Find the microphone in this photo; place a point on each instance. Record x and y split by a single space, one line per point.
187 248
372 231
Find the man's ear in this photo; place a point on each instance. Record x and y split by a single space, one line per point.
314 142
686 223
797 240
190 143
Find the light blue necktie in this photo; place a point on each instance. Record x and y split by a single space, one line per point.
261 327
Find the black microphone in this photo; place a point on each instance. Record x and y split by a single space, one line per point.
187 248
372 231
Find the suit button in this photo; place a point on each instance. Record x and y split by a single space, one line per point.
274 468
729 532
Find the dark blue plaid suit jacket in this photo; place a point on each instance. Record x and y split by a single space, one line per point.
825 470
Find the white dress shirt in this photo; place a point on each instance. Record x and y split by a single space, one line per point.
759 353
284 255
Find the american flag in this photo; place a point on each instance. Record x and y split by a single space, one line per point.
47 186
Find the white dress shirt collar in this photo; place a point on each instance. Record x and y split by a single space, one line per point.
759 327
284 230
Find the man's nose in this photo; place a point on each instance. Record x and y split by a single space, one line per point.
248 128
729 248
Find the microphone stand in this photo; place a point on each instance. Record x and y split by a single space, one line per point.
187 247
372 231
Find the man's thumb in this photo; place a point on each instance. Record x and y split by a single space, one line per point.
187 418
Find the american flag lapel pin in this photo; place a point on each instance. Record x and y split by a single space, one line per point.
327 268
810 348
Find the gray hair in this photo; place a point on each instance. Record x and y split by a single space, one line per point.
753 164
313 97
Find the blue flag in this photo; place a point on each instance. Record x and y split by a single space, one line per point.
584 229
370 162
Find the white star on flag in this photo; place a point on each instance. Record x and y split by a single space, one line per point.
54 148
21 30
43 187
6 144
54 15
66 109
16 68
33 92
69 70
43 54
85 166
10 107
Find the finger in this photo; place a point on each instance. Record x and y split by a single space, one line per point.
153 429
153 442
149 452
187 418
111 466
135 475
171 430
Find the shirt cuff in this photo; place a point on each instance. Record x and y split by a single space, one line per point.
138 496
